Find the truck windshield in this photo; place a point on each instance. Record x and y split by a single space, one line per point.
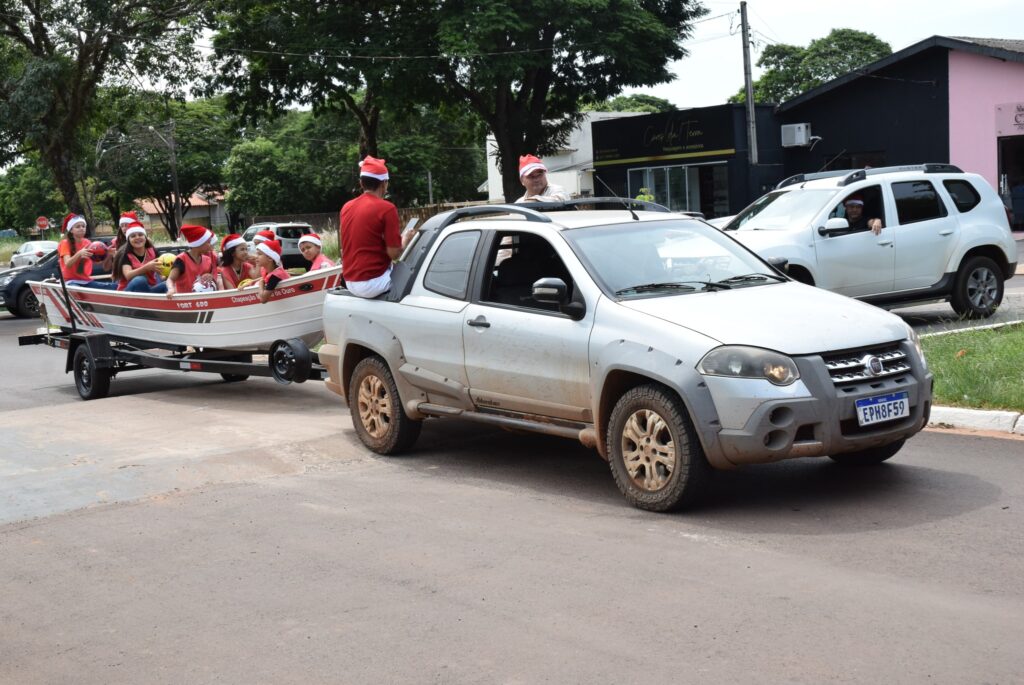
781 209
672 257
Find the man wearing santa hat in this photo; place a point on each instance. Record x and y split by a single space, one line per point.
534 177
370 239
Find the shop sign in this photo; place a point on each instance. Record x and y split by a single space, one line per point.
694 133
1010 119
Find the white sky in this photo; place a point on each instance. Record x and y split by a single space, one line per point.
714 69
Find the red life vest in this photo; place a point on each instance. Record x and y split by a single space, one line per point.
279 272
136 263
183 283
321 262
231 279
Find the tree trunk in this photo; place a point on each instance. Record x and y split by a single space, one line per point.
64 176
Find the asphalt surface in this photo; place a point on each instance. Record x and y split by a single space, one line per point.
188 530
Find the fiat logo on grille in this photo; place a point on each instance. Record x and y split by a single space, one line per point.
872 365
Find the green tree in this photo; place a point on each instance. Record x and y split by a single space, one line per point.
55 54
637 102
522 67
790 70
26 192
136 156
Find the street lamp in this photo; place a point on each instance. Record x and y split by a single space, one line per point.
174 172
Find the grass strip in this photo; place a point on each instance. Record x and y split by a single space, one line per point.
979 369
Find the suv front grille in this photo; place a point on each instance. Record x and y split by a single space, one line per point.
853 366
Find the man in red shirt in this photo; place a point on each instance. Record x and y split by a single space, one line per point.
370 239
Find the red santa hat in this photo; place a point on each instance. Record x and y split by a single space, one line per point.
70 221
529 164
272 249
263 236
854 200
311 238
231 240
374 168
132 228
196 236
127 218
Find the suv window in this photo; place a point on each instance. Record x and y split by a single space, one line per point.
871 207
964 195
917 201
289 232
448 273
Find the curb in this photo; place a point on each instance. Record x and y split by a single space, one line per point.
977 419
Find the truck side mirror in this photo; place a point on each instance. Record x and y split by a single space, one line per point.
551 291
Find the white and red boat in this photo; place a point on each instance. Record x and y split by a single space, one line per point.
225 319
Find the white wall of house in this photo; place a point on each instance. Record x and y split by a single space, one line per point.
572 167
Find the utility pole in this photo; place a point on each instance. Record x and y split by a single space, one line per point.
749 85
430 188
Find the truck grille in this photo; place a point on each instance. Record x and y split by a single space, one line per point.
859 365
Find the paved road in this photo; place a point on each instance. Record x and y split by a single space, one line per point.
236 549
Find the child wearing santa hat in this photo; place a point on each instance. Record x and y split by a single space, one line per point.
235 266
136 262
76 257
311 248
122 223
194 263
268 256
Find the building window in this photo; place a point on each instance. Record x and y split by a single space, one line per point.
695 188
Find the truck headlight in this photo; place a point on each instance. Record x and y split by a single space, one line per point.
749 362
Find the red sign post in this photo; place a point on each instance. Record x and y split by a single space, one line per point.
42 223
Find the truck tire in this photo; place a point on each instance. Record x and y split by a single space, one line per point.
92 383
654 454
873 455
978 289
376 409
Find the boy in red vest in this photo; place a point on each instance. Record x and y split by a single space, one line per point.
192 264
268 256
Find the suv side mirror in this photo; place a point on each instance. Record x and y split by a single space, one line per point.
834 225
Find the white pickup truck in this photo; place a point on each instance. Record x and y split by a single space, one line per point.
651 336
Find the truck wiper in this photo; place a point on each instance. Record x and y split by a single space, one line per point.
672 285
747 278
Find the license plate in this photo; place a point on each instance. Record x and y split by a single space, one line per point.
883 408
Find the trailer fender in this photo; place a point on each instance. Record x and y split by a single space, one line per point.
99 346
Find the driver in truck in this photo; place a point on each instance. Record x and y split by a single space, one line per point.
854 206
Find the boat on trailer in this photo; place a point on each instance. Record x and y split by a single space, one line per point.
223 319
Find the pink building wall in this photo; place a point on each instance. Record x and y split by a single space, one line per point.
976 85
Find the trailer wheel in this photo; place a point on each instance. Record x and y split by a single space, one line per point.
290 361
93 383
237 377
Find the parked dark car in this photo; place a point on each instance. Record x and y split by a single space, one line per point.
17 296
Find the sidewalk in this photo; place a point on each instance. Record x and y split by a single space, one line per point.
977 419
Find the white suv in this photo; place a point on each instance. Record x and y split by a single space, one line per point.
945 235
288 235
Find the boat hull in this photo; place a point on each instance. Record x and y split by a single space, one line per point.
225 319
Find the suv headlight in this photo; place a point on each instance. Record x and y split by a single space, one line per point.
914 338
739 361
4 280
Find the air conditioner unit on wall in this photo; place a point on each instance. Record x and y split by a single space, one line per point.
796 135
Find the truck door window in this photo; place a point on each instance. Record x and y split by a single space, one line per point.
448 273
516 262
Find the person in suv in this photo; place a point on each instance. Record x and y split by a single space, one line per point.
287 234
943 235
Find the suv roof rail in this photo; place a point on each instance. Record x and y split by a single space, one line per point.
801 178
929 168
598 202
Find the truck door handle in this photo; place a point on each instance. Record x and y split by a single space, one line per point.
479 322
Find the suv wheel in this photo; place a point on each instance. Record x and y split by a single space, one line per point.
874 455
376 409
978 290
654 455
